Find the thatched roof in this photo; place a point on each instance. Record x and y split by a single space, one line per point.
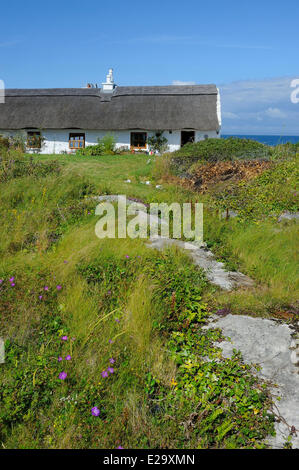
150 108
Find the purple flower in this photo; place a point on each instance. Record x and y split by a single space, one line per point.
88 213
119 447
104 374
111 370
73 339
109 292
95 411
127 256
65 261
1 280
63 375
11 279
117 320
12 284
68 357
110 341
64 338
58 287
46 288
59 359
40 297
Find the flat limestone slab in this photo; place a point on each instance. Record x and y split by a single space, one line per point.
288 216
215 270
272 346
2 352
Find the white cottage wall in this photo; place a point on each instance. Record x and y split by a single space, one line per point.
56 141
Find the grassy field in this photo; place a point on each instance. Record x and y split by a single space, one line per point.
123 322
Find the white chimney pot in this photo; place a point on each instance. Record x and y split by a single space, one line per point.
109 85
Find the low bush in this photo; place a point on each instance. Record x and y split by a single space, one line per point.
91 151
105 146
213 150
13 164
157 143
270 193
216 150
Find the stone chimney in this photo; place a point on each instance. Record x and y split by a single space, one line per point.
109 85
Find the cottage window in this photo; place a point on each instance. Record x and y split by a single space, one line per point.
138 140
77 141
34 140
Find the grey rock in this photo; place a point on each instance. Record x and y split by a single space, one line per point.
2 352
270 345
229 214
288 216
215 270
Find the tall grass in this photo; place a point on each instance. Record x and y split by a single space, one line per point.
116 290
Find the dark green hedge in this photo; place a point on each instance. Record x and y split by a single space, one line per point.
213 150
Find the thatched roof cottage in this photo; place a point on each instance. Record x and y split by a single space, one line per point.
71 118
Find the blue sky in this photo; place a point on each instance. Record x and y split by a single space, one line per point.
249 49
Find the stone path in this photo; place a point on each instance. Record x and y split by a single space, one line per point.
215 270
275 347
272 345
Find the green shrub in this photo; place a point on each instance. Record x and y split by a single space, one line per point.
105 146
216 150
4 143
285 151
91 151
213 150
158 143
13 164
12 143
270 193
108 142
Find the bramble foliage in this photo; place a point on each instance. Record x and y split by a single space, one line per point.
270 193
13 164
12 143
182 162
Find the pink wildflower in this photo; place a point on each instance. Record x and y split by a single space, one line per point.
95 411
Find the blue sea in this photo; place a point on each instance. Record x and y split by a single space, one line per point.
267 139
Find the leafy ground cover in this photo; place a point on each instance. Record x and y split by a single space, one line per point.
105 345
258 191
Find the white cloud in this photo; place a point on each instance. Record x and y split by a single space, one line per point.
229 115
10 43
275 113
195 40
180 82
262 107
